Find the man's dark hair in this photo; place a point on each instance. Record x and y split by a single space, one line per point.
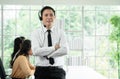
47 7
40 13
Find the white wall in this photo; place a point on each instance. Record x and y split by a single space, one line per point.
61 2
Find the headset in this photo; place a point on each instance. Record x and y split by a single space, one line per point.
40 18
40 12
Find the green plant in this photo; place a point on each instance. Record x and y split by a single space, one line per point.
115 37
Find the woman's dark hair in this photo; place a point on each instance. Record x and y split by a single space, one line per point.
21 37
17 43
26 46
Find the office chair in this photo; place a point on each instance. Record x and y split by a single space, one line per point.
2 70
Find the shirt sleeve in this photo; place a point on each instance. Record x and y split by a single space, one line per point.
25 66
37 49
63 50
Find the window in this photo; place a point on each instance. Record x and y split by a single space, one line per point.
0 34
87 29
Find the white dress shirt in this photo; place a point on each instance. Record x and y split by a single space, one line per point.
40 46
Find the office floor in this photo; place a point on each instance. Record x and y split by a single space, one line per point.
78 72
83 72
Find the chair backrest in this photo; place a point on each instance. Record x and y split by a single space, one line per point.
2 70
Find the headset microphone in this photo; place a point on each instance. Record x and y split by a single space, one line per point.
44 25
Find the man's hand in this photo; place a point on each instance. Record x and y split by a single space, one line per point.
57 46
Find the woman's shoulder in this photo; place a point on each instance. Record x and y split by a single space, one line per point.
22 57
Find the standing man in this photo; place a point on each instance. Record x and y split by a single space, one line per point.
49 47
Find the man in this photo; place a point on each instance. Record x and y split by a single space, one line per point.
49 47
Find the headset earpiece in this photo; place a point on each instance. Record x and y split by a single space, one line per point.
40 18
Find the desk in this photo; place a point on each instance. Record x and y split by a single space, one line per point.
82 72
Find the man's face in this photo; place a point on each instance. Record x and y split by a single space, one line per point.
48 18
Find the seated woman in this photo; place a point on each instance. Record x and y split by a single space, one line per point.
17 46
22 67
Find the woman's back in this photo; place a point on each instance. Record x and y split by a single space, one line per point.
21 68
17 45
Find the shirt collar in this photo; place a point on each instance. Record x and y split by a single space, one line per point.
45 29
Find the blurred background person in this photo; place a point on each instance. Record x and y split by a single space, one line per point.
22 68
17 45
